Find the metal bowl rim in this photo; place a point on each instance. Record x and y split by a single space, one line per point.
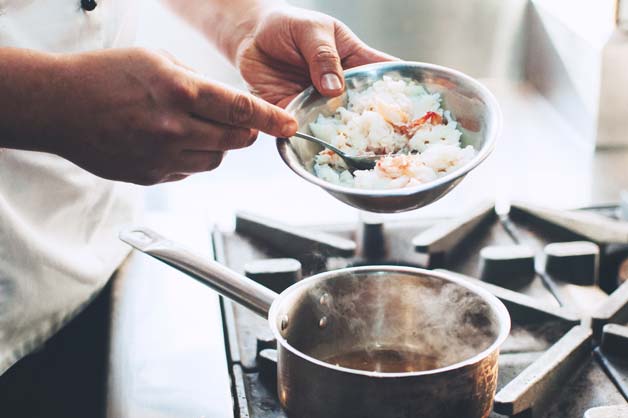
483 152
496 305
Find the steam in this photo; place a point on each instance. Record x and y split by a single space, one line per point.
393 311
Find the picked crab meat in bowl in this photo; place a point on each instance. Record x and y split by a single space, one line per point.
400 120
414 130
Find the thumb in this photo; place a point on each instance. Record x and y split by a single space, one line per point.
318 47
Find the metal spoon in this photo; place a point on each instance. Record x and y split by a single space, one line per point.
354 163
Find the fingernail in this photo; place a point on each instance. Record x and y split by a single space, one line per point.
330 81
289 128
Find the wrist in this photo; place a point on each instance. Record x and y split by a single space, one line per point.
30 98
58 107
241 26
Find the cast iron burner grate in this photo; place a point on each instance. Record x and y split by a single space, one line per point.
563 275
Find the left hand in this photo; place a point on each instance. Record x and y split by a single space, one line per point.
291 48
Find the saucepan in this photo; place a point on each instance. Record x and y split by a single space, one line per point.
367 342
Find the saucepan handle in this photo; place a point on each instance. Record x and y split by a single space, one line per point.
223 280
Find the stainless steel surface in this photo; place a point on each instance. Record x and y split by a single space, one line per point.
621 14
355 163
576 52
225 281
448 234
483 38
472 105
616 366
623 205
612 125
586 381
526 307
320 317
598 228
277 273
536 386
572 52
615 340
615 411
615 310
292 239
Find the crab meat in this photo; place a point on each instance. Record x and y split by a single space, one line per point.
392 113
409 129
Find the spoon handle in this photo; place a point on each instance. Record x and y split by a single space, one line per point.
320 142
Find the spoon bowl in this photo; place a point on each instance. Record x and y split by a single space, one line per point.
366 162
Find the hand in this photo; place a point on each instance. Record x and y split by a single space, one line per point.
138 116
292 48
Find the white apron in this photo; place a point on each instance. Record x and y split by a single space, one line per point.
58 223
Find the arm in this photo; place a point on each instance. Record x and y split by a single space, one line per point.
225 22
126 114
29 83
279 49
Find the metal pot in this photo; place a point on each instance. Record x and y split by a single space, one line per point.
367 342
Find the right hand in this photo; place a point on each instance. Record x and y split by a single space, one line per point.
138 116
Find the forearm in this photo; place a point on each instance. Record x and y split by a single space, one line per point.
224 22
29 99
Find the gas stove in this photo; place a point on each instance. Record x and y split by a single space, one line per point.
563 275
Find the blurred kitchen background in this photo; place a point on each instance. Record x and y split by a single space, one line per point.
557 67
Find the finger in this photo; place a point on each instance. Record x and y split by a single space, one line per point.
317 43
203 135
190 162
228 106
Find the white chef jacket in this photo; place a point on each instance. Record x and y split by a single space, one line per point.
58 223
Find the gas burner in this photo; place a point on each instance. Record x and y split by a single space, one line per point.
561 274
510 266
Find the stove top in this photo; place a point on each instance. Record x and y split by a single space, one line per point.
563 275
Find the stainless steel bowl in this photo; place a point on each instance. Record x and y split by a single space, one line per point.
472 105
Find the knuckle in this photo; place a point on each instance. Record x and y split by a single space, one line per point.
169 126
143 54
242 110
152 63
325 54
182 92
270 121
